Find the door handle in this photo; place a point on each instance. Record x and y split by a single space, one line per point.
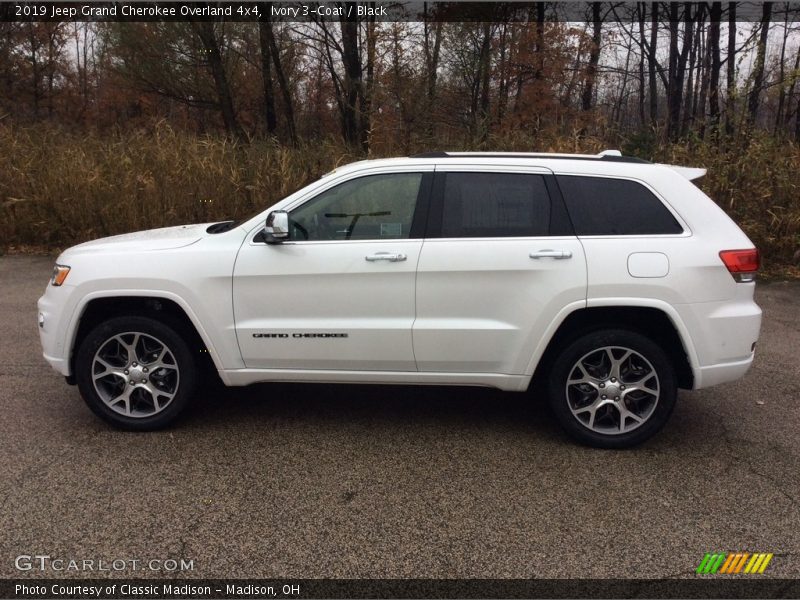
557 254
388 256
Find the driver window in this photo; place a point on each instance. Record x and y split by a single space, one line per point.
374 207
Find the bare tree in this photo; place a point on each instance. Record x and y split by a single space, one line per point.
730 102
594 58
207 35
271 52
758 69
716 63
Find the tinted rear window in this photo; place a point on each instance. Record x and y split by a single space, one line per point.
603 206
495 205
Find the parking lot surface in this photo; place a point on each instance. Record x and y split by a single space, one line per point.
315 481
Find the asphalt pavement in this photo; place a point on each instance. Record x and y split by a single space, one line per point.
316 481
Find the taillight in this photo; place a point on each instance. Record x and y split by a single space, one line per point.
742 264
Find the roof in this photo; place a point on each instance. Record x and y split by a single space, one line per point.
608 162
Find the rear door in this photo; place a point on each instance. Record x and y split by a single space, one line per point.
498 265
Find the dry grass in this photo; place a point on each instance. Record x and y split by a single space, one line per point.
758 185
59 188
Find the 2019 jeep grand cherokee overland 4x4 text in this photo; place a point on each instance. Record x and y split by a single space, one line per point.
601 283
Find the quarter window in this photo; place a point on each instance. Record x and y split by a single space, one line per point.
368 208
605 206
495 205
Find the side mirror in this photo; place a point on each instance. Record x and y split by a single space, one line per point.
276 229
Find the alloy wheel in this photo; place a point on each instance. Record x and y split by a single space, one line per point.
612 390
135 374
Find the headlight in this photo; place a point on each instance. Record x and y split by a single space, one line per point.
60 273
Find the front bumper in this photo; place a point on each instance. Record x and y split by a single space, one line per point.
52 328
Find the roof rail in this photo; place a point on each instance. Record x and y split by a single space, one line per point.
605 155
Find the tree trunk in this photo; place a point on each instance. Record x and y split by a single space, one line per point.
352 92
640 11
700 112
482 82
730 101
431 54
716 64
283 84
758 69
792 87
266 78
205 31
652 66
432 45
502 97
797 122
367 91
538 54
34 68
594 58
677 67
51 68
673 89
690 100
782 73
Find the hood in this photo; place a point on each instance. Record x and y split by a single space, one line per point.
165 238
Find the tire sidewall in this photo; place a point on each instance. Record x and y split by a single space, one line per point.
564 363
100 335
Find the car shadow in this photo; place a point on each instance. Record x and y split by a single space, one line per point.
343 404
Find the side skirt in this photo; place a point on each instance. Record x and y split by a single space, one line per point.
510 383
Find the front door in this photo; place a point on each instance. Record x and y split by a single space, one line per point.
340 293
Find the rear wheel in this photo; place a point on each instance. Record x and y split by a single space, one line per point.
135 372
612 388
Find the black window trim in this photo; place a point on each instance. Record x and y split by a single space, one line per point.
558 210
686 230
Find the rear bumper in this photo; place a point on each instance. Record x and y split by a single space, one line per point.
724 336
723 373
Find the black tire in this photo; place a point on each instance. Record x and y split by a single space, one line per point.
580 397
183 384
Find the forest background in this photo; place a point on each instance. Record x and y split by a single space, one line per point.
108 127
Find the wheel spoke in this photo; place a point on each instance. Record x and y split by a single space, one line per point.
616 363
109 373
129 348
159 365
586 378
108 369
643 385
125 398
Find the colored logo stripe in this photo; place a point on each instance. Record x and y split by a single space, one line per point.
758 563
733 563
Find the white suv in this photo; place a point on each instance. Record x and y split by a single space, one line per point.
600 282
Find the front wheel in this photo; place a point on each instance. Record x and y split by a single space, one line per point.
612 388
135 372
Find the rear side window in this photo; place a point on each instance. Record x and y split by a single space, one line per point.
495 205
603 206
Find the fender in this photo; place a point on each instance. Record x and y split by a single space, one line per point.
620 302
544 342
80 307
